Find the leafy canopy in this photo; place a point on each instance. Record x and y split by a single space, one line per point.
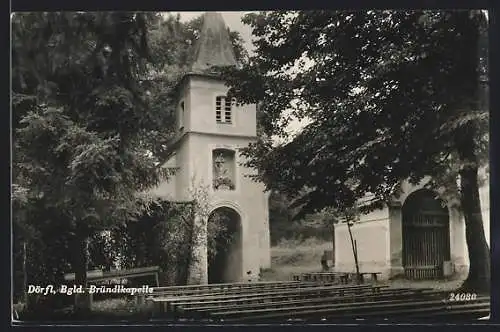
387 95
80 113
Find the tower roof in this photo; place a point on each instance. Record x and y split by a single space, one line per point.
213 47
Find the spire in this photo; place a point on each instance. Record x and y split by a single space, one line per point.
213 47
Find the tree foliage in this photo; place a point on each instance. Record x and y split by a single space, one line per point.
387 95
285 225
79 114
161 236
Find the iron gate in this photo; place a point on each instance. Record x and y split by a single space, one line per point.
426 238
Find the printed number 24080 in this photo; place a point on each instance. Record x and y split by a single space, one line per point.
462 296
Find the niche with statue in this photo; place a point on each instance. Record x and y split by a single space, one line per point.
224 169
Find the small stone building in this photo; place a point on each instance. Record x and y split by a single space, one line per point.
211 128
414 236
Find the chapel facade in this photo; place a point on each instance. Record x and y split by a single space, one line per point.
211 130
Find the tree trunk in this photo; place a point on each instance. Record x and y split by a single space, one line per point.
355 253
333 247
82 303
358 276
25 274
478 279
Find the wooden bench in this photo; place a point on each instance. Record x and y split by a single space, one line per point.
226 285
219 289
165 304
330 276
424 309
234 290
345 277
303 287
291 308
230 287
463 311
373 275
226 310
420 306
267 297
97 276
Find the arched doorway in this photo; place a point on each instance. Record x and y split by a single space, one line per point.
426 235
224 246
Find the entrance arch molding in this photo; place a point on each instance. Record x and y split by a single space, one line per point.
231 205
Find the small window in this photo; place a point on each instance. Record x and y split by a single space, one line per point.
223 109
181 116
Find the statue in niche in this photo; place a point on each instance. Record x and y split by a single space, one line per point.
222 175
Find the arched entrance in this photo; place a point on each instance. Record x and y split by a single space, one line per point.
426 235
224 246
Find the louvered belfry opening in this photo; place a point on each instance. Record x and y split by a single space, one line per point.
426 236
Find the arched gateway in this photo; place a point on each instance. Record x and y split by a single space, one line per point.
426 235
226 255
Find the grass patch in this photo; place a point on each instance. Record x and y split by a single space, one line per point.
105 310
116 306
295 256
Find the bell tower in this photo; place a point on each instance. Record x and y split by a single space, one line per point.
211 130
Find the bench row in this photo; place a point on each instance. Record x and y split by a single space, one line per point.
241 289
282 304
317 302
166 304
392 307
341 277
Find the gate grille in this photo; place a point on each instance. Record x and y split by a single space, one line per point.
425 242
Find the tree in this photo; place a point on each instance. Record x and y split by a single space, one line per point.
280 217
387 95
79 118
